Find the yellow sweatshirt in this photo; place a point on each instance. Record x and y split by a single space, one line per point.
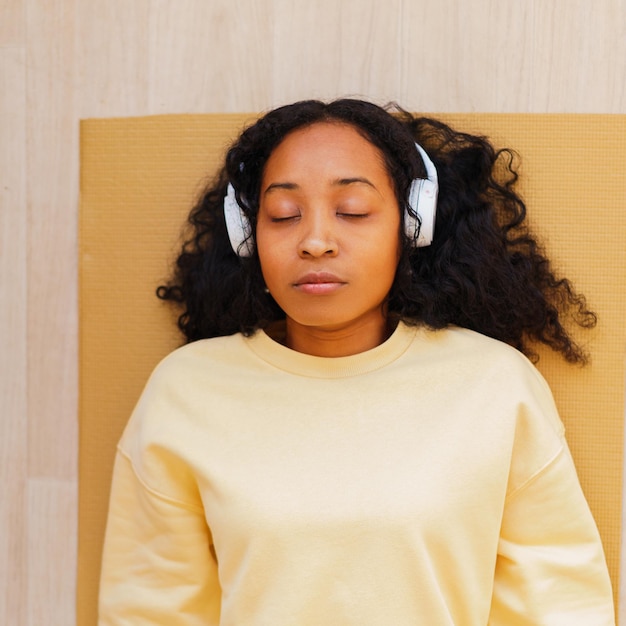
424 482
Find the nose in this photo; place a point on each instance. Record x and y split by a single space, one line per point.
318 238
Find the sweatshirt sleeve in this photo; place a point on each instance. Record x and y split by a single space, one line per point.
550 567
158 568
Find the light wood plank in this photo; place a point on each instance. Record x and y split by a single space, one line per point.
329 49
511 28
13 426
578 61
52 167
112 58
210 56
12 22
51 552
466 57
440 38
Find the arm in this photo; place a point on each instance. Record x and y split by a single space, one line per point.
158 568
550 568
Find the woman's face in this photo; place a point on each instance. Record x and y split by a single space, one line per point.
328 238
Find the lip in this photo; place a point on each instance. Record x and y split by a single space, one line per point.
319 283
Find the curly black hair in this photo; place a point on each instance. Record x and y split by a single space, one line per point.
484 270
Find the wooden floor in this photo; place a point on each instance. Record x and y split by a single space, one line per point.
63 60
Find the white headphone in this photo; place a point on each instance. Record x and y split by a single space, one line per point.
420 229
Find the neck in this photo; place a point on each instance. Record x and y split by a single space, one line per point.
337 341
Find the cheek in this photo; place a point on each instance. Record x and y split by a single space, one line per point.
392 252
270 256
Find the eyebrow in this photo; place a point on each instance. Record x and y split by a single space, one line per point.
339 182
350 181
274 186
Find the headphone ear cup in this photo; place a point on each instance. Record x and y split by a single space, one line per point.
237 225
412 219
423 202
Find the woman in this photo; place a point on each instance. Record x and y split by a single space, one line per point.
352 434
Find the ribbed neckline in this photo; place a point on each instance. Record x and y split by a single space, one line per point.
300 364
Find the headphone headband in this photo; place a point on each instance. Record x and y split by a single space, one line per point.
419 221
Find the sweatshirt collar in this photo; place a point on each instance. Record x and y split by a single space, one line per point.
283 358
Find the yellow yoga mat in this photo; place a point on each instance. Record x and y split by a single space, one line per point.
139 178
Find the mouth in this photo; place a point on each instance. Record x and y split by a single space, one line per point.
319 283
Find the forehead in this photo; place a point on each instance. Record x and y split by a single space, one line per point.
326 145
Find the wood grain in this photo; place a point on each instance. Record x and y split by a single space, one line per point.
441 40
12 22
52 194
352 48
13 403
210 56
111 59
578 57
51 555
62 60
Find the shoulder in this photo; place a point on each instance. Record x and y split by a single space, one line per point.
468 342
178 386
502 388
218 349
195 364
167 426
482 365
471 349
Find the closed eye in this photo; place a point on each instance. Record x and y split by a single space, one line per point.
284 219
353 215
